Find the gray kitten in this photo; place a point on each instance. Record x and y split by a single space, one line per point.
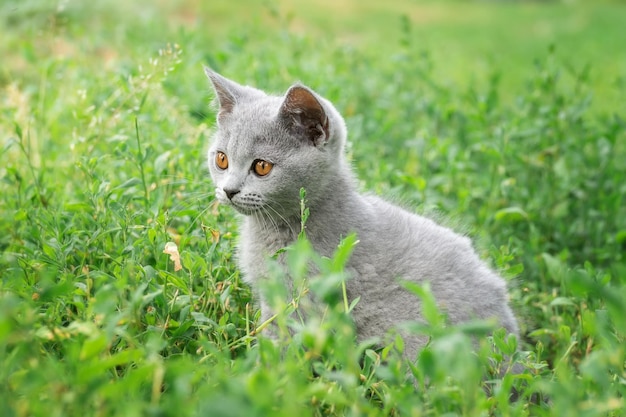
267 147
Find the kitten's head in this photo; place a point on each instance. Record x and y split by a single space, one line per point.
268 147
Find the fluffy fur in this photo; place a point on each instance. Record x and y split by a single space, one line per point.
303 136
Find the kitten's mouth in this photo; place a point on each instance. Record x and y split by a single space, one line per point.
246 205
245 210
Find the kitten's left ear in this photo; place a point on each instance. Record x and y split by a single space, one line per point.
304 115
226 91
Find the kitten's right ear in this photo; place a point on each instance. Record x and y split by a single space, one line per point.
226 92
305 115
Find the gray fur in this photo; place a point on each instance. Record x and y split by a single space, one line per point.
303 135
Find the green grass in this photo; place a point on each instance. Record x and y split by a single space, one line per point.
505 119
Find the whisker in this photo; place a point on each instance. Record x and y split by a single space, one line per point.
281 217
271 219
192 200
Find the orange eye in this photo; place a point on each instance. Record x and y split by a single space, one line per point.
262 168
221 160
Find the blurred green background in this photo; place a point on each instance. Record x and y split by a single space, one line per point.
466 39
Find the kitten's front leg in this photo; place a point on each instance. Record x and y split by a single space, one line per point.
266 325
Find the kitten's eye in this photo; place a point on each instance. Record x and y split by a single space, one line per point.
261 167
221 160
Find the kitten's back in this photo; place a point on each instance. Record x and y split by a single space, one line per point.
396 245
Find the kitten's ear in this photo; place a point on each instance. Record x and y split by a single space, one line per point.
226 91
304 115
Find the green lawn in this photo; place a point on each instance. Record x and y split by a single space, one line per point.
504 119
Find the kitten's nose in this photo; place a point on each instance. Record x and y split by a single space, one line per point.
230 193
